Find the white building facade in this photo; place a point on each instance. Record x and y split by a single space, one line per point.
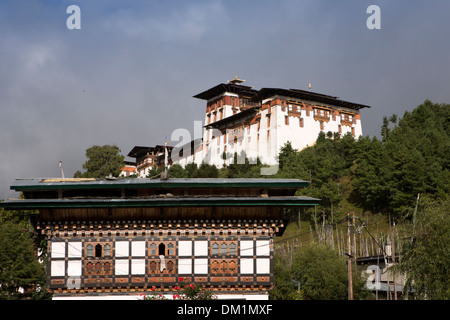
257 123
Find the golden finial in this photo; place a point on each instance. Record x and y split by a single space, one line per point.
235 80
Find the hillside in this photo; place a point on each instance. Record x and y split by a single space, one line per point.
377 180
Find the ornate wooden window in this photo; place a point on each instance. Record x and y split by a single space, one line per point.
232 249
232 267
223 249
223 266
153 266
162 249
107 250
215 266
98 268
169 266
215 249
89 250
98 250
89 267
170 251
153 249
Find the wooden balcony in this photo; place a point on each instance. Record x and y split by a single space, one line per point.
318 117
346 123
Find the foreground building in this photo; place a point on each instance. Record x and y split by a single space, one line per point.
117 239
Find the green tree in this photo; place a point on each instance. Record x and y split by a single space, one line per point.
286 155
102 161
241 167
317 272
285 287
385 129
154 172
19 265
372 176
191 170
426 259
207 171
177 171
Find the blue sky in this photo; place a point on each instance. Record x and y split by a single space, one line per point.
127 77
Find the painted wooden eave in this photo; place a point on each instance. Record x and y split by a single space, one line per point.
29 204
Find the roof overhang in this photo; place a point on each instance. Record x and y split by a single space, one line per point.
235 117
36 204
138 151
265 93
222 88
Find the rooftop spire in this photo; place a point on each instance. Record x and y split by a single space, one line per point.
235 80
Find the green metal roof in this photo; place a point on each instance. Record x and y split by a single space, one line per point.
137 183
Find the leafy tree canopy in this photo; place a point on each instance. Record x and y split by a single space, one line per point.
102 161
426 259
316 272
19 265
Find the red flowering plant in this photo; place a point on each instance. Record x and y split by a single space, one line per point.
153 295
192 291
187 291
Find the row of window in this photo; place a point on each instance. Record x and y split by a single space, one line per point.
100 268
286 121
182 248
98 251
201 266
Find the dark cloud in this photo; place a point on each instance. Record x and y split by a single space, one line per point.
128 76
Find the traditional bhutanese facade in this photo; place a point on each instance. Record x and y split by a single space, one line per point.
257 123
129 169
117 239
148 158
